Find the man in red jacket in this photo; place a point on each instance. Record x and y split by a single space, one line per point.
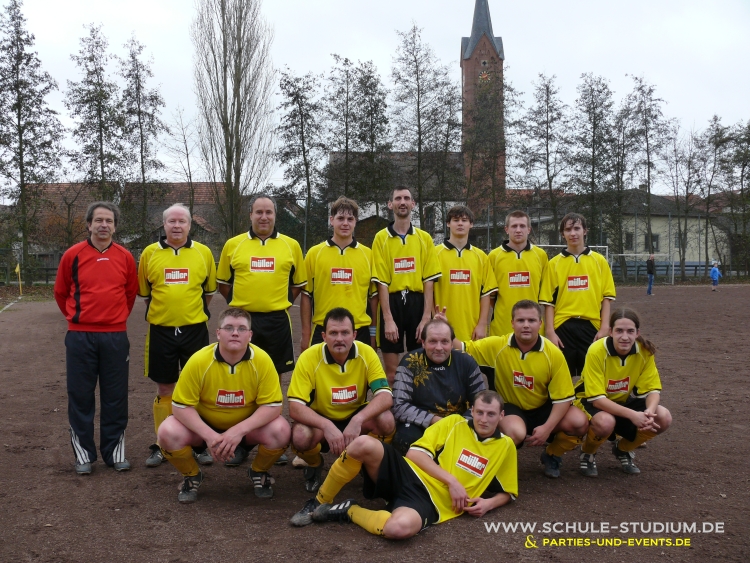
95 289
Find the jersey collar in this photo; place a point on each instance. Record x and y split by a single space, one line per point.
449 245
586 251
430 363
249 355
163 243
610 345
495 434
91 244
328 357
506 246
392 232
352 244
251 234
537 347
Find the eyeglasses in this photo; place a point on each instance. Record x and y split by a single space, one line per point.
230 329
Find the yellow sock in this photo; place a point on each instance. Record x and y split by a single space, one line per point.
162 409
592 442
640 438
183 461
265 458
312 457
371 520
387 439
563 443
343 470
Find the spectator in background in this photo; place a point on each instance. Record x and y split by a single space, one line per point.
650 271
715 275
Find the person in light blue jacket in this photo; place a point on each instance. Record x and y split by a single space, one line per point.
715 275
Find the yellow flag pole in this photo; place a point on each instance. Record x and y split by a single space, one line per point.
20 285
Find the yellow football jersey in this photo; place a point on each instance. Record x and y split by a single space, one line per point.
226 395
606 374
528 380
175 282
576 286
519 276
261 271
466 278
332 390
474 462
404 263
339 277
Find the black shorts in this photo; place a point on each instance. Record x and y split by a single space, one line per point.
244 443
399 486
576 335
406 434
168 348
363 335
407 308
623 426
532 417
272 333
341 425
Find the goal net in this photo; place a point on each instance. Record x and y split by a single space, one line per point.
632 267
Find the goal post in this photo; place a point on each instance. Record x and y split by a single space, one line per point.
638 261
554 249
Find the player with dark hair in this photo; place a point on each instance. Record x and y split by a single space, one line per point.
577 292
519 268
95 290
620 391
458 466
328 396
467 281
263 272
533 378
339 273
405 268
228 395
177 278
431 383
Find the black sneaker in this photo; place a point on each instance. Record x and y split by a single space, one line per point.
262 482
203 456
588 465
156 457
552 464
283 460
334 512
305 516
240 455
313 476
189 489
626 459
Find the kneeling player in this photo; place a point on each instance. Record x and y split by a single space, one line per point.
228 395
445 473
619 391
328 395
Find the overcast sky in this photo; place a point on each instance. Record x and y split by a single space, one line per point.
695 52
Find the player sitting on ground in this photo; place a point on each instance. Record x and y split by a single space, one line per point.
228 394
446 473
619 391
328 395
532 376
431 383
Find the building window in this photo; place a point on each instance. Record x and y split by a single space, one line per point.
654 240
628 241
677 241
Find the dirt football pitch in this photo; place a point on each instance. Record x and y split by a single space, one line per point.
695 473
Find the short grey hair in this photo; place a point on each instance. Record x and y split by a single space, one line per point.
261 195
177 206
103 205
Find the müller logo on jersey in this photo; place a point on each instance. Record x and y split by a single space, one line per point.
521 380
618 385
343 395
471 462
519 279
230 398
578 283
176 275
267 265
404 265
462 277
342 276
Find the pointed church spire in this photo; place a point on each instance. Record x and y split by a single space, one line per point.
482 25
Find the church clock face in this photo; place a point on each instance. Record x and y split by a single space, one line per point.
484 76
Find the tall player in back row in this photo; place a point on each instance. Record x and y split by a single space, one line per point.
255 273
467 281
519 268
405 267
577 292
177 278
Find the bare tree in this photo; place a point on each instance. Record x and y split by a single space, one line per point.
181 150
339 109
234 81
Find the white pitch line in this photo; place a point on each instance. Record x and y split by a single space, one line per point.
11 303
